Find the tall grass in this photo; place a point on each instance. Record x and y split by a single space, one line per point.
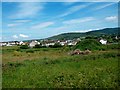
97 70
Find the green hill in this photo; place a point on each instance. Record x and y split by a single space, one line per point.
106 31
88 44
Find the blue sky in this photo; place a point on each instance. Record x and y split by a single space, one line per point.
37 20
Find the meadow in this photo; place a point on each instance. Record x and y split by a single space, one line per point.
55 68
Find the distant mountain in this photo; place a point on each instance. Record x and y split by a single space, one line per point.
106 31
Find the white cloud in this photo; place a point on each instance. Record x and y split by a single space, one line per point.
111 18
13 24
15 36
103 6
42 25
74 9
24 36
19 36
22 21
17 23
27 9
81 20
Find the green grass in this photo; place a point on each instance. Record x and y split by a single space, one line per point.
54 68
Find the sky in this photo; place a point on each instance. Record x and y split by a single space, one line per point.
38 20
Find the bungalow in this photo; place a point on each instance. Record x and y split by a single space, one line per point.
116 37
33 43
64 42
3 43
21 43
12 43
9 44
72 43
102 41
49 44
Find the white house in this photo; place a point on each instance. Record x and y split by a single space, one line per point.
78 39
9 44
48 44
3 43
116 37
62 43
102 41
72 43
21 42
33 43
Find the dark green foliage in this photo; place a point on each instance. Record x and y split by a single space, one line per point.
109 47
91 37
66 48
67 36
30 51
43 46
90 44
45 49
24 47
56 45
113 46
38 46
106 31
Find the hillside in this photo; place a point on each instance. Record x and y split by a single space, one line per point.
88 44
106 31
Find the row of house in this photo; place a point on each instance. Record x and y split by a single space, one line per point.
12 43
46 43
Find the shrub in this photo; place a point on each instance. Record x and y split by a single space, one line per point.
29 51
45 49
37 46
90 44
24 47
11 64
113 46
16 53
57 45
66 48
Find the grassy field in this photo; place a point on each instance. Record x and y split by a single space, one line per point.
54 68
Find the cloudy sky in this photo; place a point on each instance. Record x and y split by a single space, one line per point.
37 20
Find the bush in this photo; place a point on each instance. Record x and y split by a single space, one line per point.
37 46
24 47
16 53
113 46
66 48
57 45
11 64
29 51
90 44
45 49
